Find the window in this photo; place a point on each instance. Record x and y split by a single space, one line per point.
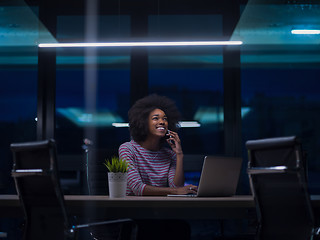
93 85
192 76
284 102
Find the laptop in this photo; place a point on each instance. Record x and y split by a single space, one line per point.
219 177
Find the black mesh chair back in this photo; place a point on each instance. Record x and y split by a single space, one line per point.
35 172
38 187
278 181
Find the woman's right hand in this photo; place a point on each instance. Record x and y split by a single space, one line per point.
187 189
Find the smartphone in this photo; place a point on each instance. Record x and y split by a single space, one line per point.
167 137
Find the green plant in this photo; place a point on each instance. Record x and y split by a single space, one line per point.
116 164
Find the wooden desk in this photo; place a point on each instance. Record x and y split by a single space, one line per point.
150 207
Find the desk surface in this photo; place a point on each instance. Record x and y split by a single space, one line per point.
160 202
145 201
150 207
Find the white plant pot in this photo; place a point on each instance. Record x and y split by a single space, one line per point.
117 184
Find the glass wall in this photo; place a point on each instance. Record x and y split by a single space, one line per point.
75 121
18 95
92 94
284 102
18 104
192 76
93 84
280 76
18 79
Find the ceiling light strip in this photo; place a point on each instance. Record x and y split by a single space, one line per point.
141 44
182 124
305 31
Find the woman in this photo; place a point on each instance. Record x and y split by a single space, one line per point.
154 168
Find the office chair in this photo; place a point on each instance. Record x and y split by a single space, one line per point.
35 173
278 181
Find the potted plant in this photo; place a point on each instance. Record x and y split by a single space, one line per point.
117 176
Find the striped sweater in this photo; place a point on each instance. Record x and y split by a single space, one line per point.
155 168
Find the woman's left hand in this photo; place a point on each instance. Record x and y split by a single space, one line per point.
174 142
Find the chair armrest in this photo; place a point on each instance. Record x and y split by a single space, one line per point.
27 172
267 170
101 223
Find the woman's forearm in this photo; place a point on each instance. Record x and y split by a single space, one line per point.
178 179
158 191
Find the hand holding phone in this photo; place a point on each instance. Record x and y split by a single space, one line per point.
168 136
174 141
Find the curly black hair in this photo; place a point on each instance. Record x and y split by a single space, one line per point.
139 114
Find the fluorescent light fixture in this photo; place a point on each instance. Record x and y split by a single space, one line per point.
189 124
141 44
305 31
28 170
120 124
182 124
280 167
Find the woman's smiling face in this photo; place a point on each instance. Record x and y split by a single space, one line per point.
158 123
